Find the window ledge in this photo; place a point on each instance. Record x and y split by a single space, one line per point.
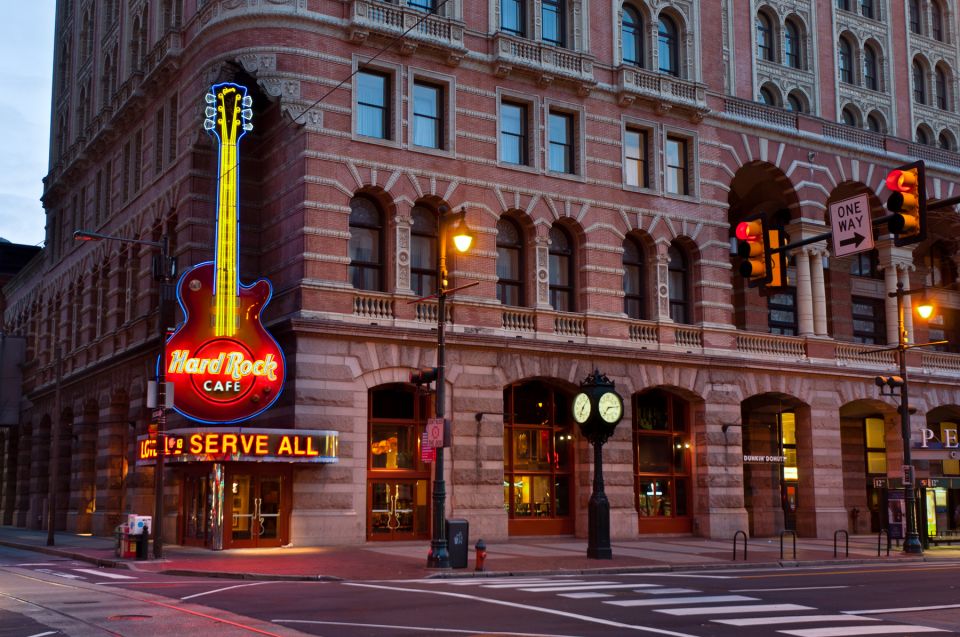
665 91
545 61
375 17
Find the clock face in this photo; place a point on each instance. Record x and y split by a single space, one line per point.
610 407
581 408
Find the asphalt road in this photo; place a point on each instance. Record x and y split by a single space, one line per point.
39 594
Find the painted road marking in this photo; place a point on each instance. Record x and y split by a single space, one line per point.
669 591
844 631
102 573
545 582
537 609
730 610
584 595
419 629
792 619
881 611
220 590
56 574
774 590
703 599
584 587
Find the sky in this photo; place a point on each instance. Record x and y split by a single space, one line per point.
26 69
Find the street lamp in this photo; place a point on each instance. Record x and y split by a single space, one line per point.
439 557
911 543
164 270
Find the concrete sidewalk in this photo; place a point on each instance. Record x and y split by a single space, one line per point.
407 560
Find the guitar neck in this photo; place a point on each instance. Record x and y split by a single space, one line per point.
226 266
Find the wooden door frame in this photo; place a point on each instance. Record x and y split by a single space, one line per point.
258 471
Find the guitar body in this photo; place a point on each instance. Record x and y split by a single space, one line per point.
222 379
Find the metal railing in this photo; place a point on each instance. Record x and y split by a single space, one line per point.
846 538
735 536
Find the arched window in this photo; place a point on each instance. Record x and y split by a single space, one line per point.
849 117
561 270
944 141
870 79
915 16
943 270
423 251
875 122
631 32
919 83
509 262
634 280
678 283
943 95
845 61
668 39
922 137
764 37
791 45
794 103
366 245
135 45
766 96
936 21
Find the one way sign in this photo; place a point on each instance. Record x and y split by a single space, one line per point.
852 225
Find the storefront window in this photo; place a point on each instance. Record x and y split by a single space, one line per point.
398 479
876 444
661 459
538 458
788 427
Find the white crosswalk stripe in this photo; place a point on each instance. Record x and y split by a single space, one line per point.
672 601
849 631
103 573
584 595
582 587
791 619
732 610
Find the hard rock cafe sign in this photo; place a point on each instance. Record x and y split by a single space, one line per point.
224 365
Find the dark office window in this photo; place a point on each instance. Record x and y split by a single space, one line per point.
509 262
766 97
794 104
635 158
867 8
791 44
915 16
922 137
678 283
866 264
373 104
423 5
668 46
427 115
870 79
631 32
561 142
869 321
561 270
874 123
845 61
513 134
943 101
919 84
423 251
513 17
764 38
849 117
843 4
677 171
782 308
366 245
936 21
554 22
634 279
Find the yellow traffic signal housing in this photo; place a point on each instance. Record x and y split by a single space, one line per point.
908 203
775 240
760 246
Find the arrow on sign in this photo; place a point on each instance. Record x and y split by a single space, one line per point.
855 240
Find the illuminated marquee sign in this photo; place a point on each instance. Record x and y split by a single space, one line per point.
235 444
224 366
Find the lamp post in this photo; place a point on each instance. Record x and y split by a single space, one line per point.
164 270
439 556
911 544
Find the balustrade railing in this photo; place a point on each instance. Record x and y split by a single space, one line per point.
941 362
569 326
519 321
689 337
643 333
373 307
854 353
770 345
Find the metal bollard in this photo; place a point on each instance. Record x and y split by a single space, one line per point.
481 549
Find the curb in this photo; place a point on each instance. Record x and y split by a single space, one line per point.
80 557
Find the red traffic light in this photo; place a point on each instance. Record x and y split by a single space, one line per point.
749 230
902 180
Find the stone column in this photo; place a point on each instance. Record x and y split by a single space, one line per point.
804 294
663 283
542 251
819 292
402 260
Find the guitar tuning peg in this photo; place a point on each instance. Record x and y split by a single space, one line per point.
210 111
208 124
247 101
210 98
247 113
248 126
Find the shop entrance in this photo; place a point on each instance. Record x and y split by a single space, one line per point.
257 507
399 509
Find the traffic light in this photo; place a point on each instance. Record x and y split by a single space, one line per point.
423 376
753 249
889 385
908 203
152 430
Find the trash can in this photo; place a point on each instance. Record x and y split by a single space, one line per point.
143 543
458 542
124 546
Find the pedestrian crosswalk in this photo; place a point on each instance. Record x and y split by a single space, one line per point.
731 610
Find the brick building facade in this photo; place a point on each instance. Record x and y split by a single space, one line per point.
602 153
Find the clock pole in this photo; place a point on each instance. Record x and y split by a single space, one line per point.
597 425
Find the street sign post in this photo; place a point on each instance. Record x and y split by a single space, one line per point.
852 225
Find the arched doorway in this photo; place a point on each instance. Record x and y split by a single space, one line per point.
538 459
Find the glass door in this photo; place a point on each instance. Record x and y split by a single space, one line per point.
258 508
196 509
399 509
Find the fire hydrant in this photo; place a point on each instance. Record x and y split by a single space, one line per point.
481 549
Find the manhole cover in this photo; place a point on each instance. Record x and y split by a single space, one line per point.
122 618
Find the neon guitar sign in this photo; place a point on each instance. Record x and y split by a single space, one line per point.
224 366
